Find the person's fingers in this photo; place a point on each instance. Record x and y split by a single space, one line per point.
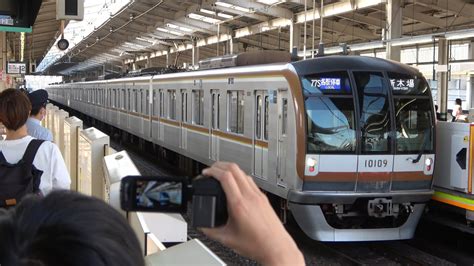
230 187
219 234
240 177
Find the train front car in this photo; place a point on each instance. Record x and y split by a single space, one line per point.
369 149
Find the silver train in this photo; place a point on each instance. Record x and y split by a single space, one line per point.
345 141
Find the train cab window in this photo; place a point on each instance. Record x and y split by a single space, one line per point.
235 111
172 104
414 121
374 104
330 113
198 107
404 84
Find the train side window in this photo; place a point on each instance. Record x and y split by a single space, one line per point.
198 107
258 126
172 104
265 125
235 111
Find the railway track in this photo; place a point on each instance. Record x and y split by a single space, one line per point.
362 253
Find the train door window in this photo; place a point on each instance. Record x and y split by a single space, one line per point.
155 111
162 103
146 103
172 104
329 104
265 124
375 121
122 99
235 111
198 107
284 114
258 126
215 107
184 106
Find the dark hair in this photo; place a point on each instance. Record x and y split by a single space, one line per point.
36 110
15 108
67 228
458 101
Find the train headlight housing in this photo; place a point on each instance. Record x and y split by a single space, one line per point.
429 164
311 163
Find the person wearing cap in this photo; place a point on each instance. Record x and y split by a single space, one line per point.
38 99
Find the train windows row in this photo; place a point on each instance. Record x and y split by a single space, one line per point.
166 105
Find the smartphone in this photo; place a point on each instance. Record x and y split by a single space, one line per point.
154 194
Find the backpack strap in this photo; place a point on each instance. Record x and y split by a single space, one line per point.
31 151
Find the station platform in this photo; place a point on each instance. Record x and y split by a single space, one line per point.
96 170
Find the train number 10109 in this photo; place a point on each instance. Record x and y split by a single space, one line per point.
376 163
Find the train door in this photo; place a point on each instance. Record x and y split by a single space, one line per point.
375 164
282 102
184 119
215 114
260 143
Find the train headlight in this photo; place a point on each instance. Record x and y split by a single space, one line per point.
311 163
428 163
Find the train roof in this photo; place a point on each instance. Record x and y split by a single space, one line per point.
354 63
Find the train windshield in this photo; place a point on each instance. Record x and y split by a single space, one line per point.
394 113
330 111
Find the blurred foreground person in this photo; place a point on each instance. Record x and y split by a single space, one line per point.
67 228
24 159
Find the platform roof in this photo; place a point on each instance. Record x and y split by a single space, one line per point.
142 29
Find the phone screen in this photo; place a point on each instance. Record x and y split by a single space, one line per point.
159 194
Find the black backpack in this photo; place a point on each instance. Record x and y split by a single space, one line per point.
20 179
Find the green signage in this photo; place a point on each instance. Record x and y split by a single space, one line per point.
16 29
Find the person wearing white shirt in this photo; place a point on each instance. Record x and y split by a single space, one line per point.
14 112
38 99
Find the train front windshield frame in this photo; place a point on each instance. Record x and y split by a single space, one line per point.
392 112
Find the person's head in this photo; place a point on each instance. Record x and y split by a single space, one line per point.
458 101
38 99
14 109
67 228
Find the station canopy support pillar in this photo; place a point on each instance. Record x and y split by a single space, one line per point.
443 78
394 28
295 36
168 57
